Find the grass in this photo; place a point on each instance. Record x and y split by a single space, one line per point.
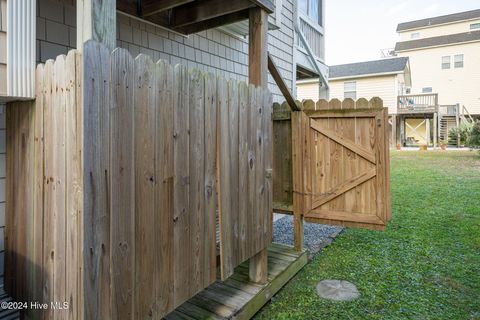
426 265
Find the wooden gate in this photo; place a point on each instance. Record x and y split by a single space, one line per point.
340 163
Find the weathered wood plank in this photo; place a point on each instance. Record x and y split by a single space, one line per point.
182 218
96 173
38 176
282 159
332 134
58 181
122 199
48 277
243 169
74 184
210 201
225 192
97 21
164 196
298 184
233 229
197 179
144 104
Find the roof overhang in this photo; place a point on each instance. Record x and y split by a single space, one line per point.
191 16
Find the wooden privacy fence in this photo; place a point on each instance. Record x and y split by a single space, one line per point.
130 161
331 162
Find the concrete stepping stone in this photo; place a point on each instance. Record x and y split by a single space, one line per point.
337 290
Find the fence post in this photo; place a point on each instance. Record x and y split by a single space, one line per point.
258 76
298 139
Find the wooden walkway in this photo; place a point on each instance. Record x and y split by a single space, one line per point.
237 297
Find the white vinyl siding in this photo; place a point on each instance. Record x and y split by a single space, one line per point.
441 30
385 87
451 86
308 90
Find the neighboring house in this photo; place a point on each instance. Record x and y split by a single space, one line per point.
40 30
444 54
387 79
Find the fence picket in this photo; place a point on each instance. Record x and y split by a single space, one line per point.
73 188
96 173
210 177
197 178
122 184
182 218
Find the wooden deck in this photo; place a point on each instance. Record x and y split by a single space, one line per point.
237 297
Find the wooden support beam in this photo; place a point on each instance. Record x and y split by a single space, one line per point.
214 23
205 10
266 5
281 84
97 20
257 74
151 7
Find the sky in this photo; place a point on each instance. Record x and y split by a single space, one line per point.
357 30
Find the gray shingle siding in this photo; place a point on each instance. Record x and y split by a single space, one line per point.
368 67
212 51
460 16
438 41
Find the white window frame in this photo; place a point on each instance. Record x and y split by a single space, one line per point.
350 90
427 90
475 26
458 61
319 21
446 65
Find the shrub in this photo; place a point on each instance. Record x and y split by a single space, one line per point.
463 130
474 138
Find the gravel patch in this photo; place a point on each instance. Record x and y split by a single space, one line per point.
316 236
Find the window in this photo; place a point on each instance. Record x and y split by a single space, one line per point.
427 90
415 35
458 61
408 90
446 62
350 90
475 26
312 8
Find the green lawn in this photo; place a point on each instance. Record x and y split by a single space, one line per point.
426 265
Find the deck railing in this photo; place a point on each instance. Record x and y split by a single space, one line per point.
417 103
314 35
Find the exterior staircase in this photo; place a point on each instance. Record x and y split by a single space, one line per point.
446 124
